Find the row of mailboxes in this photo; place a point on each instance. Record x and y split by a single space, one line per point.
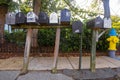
98 22
42 18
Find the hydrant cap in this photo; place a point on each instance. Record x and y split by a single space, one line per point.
112 32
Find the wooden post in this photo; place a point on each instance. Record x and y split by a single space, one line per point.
80 56
27 52
36 8
56 50
93 51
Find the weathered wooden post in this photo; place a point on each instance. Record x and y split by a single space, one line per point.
20 18
27 52
56 50
95 25
93 51
36 8
54 20
99 23
64 20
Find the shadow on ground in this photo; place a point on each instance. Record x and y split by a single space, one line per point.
99 74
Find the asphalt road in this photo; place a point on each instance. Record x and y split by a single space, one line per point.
66 74
33 75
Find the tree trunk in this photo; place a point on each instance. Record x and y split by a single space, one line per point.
3 11
36 9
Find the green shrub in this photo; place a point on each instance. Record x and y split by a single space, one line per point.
69 42
17 37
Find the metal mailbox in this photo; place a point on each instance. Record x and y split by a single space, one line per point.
20 18
99 22
77 26
10 18
53 18
107 23
95 23
43 18
65 16
32 17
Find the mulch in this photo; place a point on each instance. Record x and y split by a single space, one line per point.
9 55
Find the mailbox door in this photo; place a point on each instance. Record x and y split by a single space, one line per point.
65 16
43 18
53 18
98 22
77 27
10 18
20 18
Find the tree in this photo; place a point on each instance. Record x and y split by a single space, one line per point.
5 5
36 9
3 11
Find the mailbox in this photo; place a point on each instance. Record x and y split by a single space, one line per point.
107 23
10 18
20 18
43 18
99 22
65 16
77 27
53 18
95 23
32 17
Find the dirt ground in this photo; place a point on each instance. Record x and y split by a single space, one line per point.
99 74
9 55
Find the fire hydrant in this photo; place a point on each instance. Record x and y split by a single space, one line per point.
113 40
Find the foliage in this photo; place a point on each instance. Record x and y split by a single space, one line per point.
69 42
102 44
17 37
46 37
10 3
26 6
5 1
116 23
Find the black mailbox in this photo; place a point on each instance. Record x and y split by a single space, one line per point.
43 18
10 18
95 23
65 16
20 18
77 27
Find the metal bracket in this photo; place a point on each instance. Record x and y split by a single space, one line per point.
99 35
